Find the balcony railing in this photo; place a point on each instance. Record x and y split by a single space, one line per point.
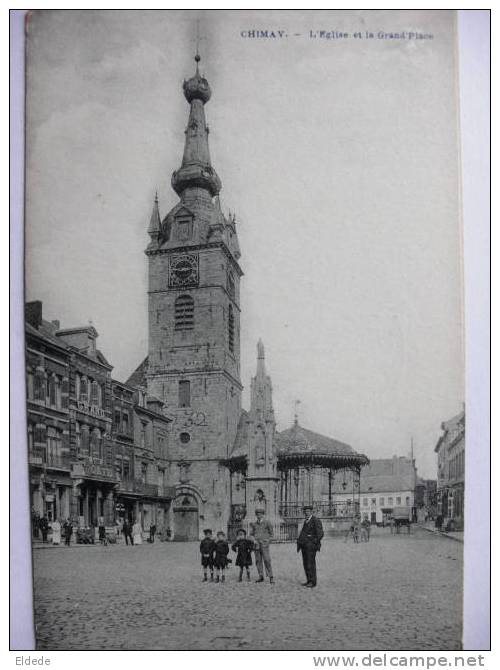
152 490
94 470
138 486
57 462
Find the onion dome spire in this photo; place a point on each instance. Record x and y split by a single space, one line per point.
196 170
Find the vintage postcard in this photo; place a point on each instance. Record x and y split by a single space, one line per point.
244 330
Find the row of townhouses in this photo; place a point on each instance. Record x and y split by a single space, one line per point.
97 447
450 450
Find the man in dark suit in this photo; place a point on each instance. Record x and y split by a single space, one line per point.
309 542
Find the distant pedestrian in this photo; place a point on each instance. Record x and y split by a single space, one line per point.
261 531
207 551
356 530
439 522
44 527
137 533
309 543
35 520
152 532
68 532
127 532
243 547
220 556
365 530
56 532
102 533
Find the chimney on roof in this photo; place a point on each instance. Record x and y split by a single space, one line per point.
33 313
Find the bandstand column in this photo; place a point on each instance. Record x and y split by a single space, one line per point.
330 490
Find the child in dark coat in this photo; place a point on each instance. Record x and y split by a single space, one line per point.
220 559
207 549
244 548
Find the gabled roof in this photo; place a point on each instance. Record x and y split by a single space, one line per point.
138 377
102 358
382 475
46 334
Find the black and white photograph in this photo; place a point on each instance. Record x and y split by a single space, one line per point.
244 330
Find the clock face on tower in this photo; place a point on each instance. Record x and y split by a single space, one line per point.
183 270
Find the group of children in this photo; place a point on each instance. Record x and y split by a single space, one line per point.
214 554
359 530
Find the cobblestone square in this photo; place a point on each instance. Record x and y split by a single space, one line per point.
396 592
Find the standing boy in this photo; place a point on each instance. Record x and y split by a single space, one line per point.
220 556
207 550
243 547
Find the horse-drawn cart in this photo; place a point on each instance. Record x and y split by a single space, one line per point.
401 516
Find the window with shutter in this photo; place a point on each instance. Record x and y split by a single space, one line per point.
94 393
184 313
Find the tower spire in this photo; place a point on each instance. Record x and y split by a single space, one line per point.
196 170
155 221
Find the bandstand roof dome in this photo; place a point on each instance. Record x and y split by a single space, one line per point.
299 445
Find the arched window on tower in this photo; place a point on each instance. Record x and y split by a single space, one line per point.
231 328
184 393
184 313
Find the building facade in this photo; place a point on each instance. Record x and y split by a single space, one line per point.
450 450
48 413
385 483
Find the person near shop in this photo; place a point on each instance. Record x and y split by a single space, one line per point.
127 532
56 532
136 533
68 532
44 528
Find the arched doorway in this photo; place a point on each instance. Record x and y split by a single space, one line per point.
185 518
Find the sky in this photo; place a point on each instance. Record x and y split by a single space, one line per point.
340 158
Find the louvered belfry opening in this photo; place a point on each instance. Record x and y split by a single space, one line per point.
231 328
184 313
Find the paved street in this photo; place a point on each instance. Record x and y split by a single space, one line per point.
396 592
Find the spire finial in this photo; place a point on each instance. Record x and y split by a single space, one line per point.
197 56
156 197
260 349
296 415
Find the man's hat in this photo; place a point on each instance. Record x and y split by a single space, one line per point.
307 507
242 530
260 510
207 530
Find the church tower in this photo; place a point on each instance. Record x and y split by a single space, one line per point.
194 328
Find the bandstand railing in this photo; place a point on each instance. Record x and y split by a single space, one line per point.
283 531
343 509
